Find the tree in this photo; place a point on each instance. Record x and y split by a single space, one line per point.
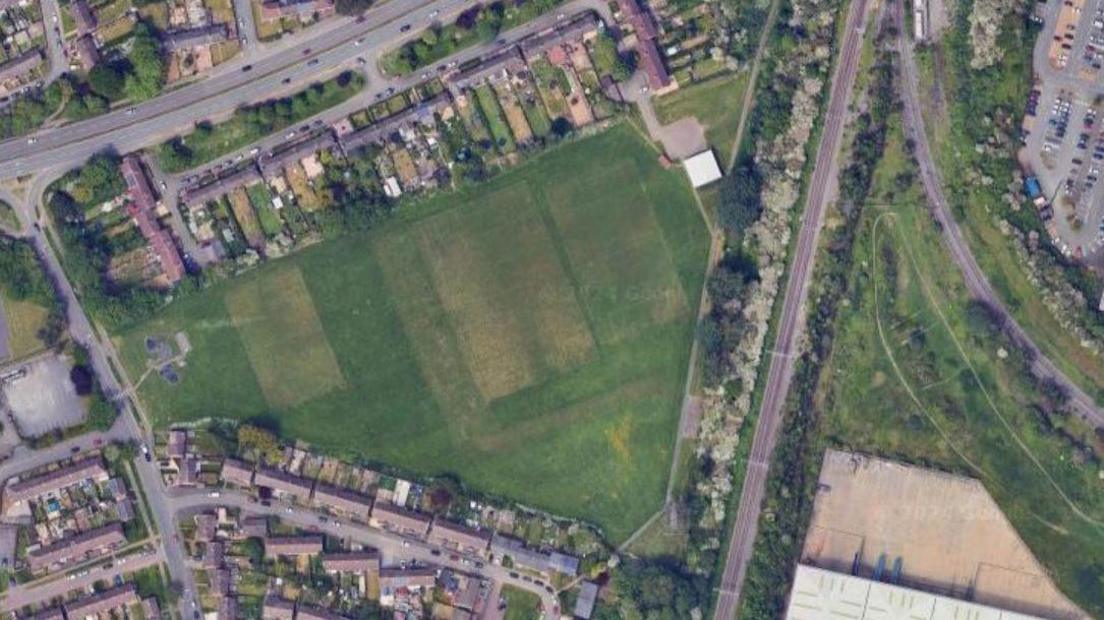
353 7
740 203
259 440
609 61
105 80
147 74
561 126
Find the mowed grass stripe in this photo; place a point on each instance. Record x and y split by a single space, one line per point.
500 280
427 325
630 284
580 438
283 337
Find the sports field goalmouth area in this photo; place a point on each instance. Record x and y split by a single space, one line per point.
530 335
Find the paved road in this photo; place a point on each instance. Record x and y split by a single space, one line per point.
55 50
792 322
976 282
392 547
126 428
21 595
333 47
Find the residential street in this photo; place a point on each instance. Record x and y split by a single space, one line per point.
228 87
392 547
57 150
792 322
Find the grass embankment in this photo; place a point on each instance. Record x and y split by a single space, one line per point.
249 124
478 24
1000 92
529 335
8 218
919 374
521 605
716 103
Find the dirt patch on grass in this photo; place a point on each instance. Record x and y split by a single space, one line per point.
283 338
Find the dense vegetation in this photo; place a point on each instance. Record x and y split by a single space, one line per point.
478 24
796 460
608 60
657 590
250 123
22 278
88 248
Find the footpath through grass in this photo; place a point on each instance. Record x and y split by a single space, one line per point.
529 335
249 124
922 375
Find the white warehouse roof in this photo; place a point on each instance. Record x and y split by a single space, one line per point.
702 168
820 594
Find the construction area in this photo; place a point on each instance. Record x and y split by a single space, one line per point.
928 530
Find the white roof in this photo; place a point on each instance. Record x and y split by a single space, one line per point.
820 594
702 168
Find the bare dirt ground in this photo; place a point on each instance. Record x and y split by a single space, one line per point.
949 533
44 398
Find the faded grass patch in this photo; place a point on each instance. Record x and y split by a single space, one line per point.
513 311
283 338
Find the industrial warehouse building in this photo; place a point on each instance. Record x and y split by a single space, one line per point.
820 594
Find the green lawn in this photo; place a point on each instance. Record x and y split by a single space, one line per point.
261 198
529 335
716 103
913 377
496 119
520 604
8 219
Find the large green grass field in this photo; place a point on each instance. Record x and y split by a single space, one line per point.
529 335
918 374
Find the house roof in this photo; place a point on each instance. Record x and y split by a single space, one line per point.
192 37
535 45
205 526
275 9
354 562
293 545
378 131
343 500
588 596
76 547
202 193
238 473
392 579
178 438
105 601
214 555
83 16
283 482
52 481
20 64
273 161
464 538
393 517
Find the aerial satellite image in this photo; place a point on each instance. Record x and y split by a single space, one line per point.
551 309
